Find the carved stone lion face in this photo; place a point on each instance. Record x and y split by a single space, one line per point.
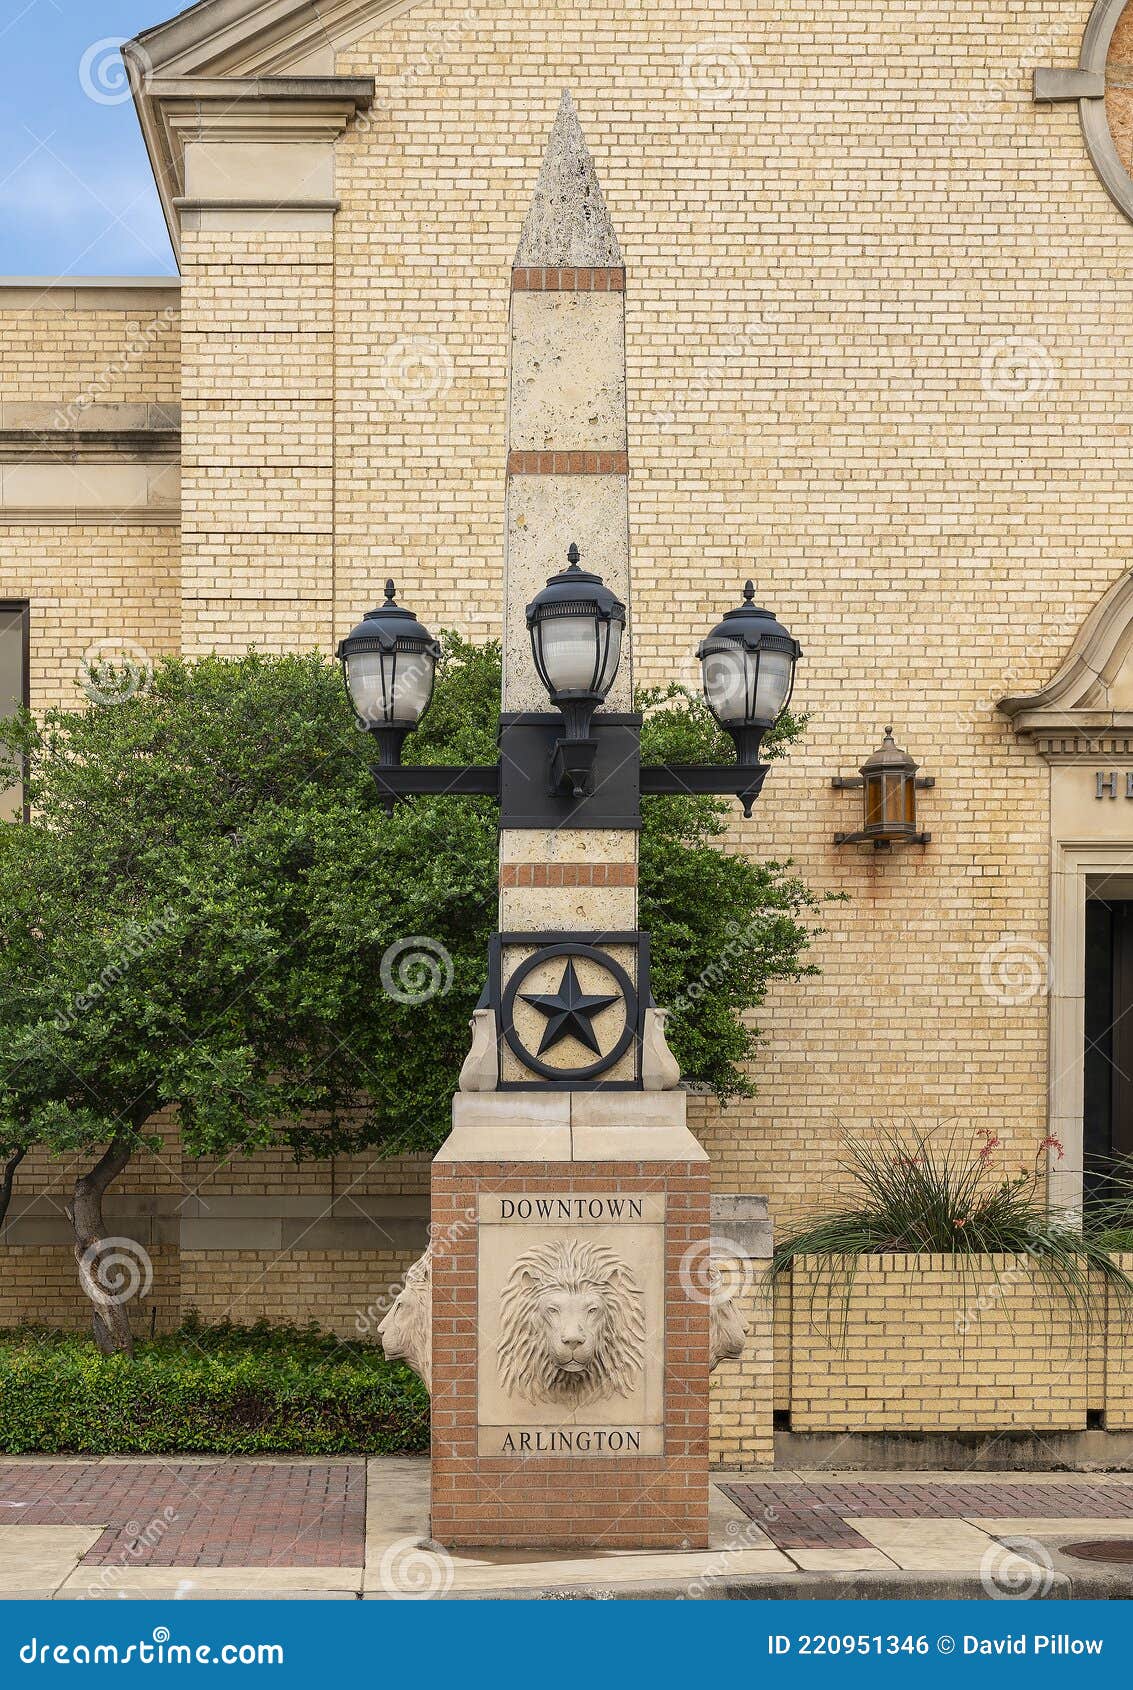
572 1325
574 1322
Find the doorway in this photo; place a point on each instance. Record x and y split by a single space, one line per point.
1108 1067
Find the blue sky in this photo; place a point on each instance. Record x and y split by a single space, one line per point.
76 191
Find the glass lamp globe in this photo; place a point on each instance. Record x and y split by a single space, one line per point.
389 664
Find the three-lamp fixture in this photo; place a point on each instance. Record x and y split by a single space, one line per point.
576 625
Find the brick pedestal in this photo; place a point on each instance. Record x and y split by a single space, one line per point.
629 1470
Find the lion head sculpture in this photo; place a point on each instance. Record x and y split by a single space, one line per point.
407 1330
727 1329
572 1326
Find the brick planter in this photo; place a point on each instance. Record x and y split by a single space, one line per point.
932 1343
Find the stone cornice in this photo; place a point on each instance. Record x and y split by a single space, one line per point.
175 112
70 445
148 294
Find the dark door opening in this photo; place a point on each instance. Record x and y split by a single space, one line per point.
1108 1111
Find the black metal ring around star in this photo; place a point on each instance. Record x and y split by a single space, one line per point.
591 1006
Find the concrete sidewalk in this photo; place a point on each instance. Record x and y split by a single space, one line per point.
349 1529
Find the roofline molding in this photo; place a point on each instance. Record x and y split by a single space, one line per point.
259 37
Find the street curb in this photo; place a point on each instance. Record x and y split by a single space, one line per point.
779 1587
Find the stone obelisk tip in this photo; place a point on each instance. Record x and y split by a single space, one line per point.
568 223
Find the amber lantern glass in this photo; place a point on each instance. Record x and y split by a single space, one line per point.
889 793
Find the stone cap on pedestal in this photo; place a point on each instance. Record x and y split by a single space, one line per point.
568 224
562 1126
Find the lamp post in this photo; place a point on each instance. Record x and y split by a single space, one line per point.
576 625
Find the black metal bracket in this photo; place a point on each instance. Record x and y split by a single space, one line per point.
881 844
744 780
572 767
608 761
542 770
478 780
846 783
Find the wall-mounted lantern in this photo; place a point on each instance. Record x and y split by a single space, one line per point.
889 785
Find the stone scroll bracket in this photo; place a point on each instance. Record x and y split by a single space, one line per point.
1086 84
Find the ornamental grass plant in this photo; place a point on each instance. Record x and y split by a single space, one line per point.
910 1192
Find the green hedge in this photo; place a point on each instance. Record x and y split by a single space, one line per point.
223 1390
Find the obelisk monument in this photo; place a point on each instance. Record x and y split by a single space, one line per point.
570 1203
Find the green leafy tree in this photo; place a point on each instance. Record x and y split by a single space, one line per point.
211 915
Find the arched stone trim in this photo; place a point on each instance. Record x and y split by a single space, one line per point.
1087 86
1081 723
1087 708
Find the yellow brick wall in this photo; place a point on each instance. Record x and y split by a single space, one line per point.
39 1285
257 477
93 582
931 1344
832 275
78 357
1117 1361
88 584
740 1426
344 1292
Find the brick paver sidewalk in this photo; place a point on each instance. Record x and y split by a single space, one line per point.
192 1514
350 1528
816 1515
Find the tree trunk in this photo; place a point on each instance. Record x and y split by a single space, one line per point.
99 1264
6 1182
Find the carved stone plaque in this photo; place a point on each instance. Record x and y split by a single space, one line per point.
571 1323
